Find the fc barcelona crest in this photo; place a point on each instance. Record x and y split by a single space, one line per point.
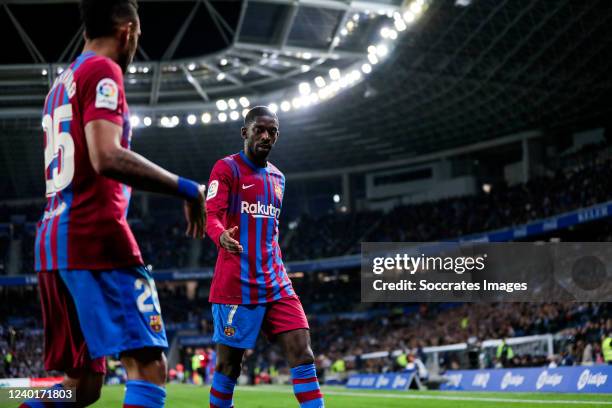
278 191
155 322
229 331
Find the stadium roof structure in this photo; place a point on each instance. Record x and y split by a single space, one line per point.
465 71
192 53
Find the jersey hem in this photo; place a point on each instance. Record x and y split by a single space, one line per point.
98 266
231 300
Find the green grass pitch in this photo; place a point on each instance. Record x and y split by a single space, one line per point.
180 395
340 397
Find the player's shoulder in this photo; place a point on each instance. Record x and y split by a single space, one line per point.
226 164
272 169
230 160
99 66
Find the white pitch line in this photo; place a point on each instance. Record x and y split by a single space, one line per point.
433 397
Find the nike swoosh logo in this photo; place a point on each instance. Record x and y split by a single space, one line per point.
249 186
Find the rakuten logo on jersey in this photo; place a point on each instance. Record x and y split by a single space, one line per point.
586 378
258 210
511 380
548 379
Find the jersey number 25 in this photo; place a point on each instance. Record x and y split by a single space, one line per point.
59 150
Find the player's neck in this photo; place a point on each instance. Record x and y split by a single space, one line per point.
257 162
105 47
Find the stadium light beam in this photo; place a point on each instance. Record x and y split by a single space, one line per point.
304 88
409 17
221 105
244 102
382 50
416 7
134 121
334 74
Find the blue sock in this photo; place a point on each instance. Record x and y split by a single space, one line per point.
139 393
222 391
33 403
306 386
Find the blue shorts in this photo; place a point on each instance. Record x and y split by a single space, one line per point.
239 325
118 309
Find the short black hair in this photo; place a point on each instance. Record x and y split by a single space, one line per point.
101 17
258 111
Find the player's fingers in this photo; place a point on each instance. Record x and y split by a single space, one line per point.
234 245
233 230
188 230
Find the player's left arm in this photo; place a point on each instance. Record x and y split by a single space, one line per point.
217 203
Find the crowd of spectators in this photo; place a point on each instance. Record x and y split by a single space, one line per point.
582 324
21 352
404 327
160 231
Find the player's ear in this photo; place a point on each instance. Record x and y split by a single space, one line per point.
125 33
243 132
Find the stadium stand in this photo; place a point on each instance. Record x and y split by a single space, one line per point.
576 185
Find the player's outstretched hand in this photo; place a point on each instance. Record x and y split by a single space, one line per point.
195 214
228 242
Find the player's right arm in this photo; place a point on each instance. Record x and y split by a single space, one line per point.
112 160
217 203
103 119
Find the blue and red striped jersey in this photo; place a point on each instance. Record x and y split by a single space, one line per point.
250 197
84 224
